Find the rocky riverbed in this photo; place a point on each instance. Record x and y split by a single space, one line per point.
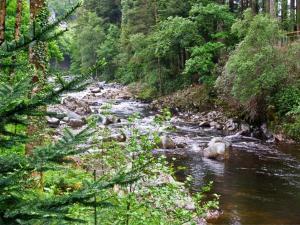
210 146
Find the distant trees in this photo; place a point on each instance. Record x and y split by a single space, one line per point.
167 44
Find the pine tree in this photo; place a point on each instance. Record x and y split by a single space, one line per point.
20 200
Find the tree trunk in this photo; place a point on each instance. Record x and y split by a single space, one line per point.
284 9
242 5
35 7
37 53
298 15
17 30
292 15
2 20
272 8
231 5
254 6
18 20
267 6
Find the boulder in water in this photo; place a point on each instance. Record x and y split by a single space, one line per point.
167 143
217 148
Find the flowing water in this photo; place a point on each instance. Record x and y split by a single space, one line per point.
259 183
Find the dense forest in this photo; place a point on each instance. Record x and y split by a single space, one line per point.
68 155
165 46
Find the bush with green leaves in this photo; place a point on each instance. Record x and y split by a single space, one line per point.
256 70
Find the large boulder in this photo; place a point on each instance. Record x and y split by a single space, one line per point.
217 148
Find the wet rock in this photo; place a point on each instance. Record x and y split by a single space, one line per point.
75 123
72 115
231 125
107 120
267 134
181 145
78 106
217 148
204 124
53 122
245 129
216 125
66 119
166 142
213 215
96 90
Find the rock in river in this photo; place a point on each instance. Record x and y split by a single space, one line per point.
167 143
217 148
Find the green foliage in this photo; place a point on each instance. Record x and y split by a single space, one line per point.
108 50
60 7
287 100
292 129
54 51
255 69
219 24
87 36
202 59
10 19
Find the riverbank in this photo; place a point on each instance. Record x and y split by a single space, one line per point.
197 105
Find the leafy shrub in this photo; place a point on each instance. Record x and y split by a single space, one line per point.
287 99
293 129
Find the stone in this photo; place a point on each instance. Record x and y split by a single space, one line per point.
216 125
75 123
213 215
204 124
53 122
231 125
66 119
245 129
167 143
96 90
217 148
116 137
78 106
107 120
268 135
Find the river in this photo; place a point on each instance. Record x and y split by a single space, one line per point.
259 183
